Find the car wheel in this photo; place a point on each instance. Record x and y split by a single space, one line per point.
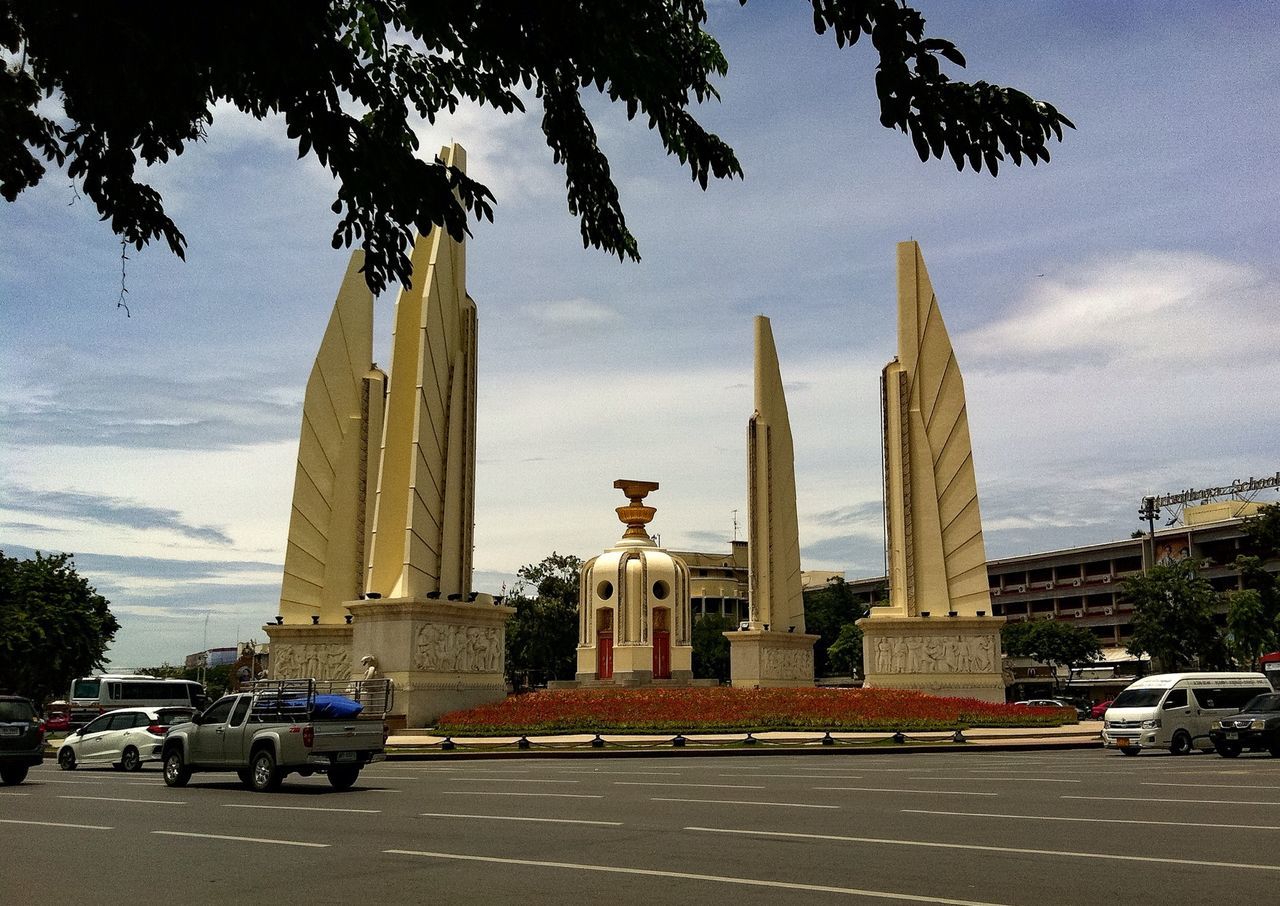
11 774
343 778
1181 743
176 773
1228 749
130 760
66 759
265 776
1130 751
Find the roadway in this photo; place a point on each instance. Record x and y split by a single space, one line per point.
1044 827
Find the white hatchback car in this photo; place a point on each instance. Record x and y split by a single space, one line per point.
123 739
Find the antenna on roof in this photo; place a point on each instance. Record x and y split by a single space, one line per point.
735 525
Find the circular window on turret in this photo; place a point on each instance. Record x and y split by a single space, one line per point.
661 589
604 591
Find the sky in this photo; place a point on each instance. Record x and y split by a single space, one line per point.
1112 312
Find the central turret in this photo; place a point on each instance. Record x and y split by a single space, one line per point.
635 622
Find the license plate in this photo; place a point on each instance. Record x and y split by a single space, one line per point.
1122 742
10 731
346 757
1231 734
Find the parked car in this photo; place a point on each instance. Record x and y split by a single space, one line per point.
124 739
21 739
1256 727
57 721
1045 703
1099 711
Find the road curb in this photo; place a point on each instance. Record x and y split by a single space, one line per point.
762 749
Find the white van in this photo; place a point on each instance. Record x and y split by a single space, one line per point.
94 695
1174 710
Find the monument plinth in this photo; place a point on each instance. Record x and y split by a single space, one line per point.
773 649
440 655
634 615
935 634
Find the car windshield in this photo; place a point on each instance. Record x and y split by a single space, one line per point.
1138 698
167 717
15 711
1269 701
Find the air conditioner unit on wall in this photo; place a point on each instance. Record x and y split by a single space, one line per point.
1048 586
1075 583
995 592
1022 588
1106 580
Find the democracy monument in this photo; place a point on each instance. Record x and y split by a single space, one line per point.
378 563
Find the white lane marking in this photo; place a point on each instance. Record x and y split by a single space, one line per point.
1219 786
523 818
626 773
714 786
75 782
305 808
744 802
975 847
507 780
56 824
799 776
8 793
1005 779
880 789
114 799
1269 827
1140 799
369 775
690 876
505 793
240 839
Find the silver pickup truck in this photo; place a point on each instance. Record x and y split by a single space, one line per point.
279 727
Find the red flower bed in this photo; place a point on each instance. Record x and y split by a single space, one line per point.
723 709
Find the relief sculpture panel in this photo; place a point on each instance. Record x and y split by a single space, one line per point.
327 662
788 663
450 648
935 654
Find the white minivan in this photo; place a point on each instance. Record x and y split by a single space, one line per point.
1174 710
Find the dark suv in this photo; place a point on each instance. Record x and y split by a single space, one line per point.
21 739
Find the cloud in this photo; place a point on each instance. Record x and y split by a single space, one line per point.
105 510
1148 307
867 511
98 406
572 313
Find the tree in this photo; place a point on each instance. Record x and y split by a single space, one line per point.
710 647
827 610
542 635
1253 613
1051 642
1173 615
351 78
844 657
54 626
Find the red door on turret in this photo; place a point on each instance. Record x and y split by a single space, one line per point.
661 643
604 644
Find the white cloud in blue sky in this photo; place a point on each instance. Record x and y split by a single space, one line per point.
1113 312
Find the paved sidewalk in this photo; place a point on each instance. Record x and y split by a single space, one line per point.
421 744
